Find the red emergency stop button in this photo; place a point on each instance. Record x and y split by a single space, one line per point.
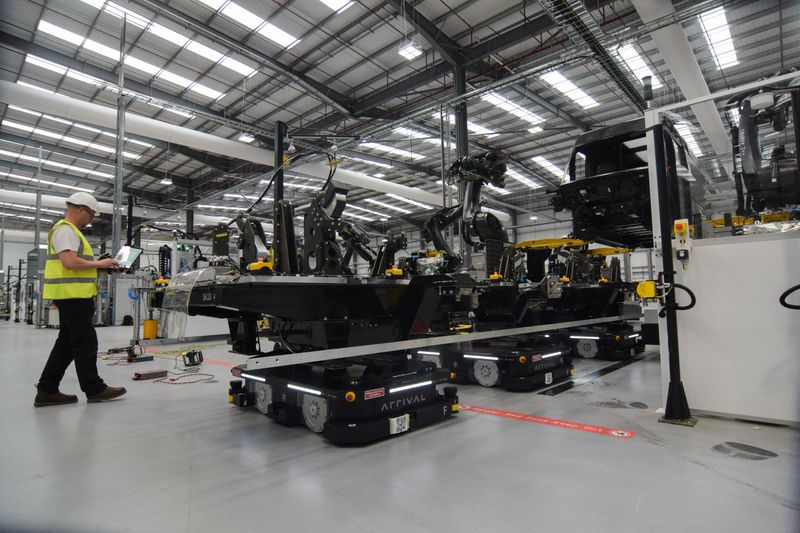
679 226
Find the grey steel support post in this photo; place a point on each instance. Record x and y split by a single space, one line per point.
626 265
116 219
513 222
282 263
279 150
137 314
190 212
39 321
37 283
462 148
38 223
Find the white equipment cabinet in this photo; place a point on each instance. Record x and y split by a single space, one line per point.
739 348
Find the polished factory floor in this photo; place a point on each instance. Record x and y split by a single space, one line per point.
179 458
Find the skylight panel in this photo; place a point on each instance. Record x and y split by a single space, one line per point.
242 16
296 186
97 4
43 63
507 105
368 162
237 66
255 23
206 91
408 200
171 77
61 33
733 116
79 126
392 150
636 64
44 182
685 132
414 134
27 207
204 51
25 217
337 5
236 196
225 207
548 166
480 130
718 36
54 67
275 34
56 164
213 4
359 217
173 36
388 206
65 138
370 211
131 17
144 66
101 49
513 174
497 190
569 89
32 86
169 35
85 78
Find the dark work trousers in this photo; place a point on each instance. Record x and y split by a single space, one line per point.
76 341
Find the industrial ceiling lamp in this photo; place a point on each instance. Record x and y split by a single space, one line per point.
408 49
166 180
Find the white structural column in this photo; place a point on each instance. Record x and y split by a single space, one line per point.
679 57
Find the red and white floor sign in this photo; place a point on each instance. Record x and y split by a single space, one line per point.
600 430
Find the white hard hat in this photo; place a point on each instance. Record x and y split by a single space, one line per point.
85 199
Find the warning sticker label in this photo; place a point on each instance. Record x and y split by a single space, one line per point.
374 393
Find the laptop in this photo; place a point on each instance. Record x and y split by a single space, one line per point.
127 255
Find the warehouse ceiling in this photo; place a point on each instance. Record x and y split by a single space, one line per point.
374 79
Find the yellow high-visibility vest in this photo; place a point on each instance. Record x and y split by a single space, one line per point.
61 283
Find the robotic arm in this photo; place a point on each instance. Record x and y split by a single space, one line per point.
479 229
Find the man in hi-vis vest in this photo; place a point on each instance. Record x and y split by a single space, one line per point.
70 280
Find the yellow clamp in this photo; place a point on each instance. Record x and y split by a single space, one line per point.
495 277
394 272
646 289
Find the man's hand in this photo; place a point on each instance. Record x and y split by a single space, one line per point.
107 264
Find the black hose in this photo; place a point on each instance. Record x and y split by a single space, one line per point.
785 295
292 160
692 301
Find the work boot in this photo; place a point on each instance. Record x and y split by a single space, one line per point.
109 393
44 398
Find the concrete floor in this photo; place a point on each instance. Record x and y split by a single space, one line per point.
179 458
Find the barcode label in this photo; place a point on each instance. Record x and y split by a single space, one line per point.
399 424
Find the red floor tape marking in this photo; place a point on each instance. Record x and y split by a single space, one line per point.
609 432
218 362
